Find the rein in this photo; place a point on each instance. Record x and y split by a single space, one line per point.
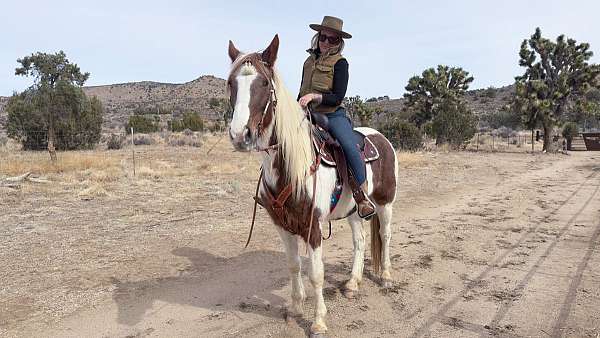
278 202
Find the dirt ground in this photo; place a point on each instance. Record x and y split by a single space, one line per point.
484 244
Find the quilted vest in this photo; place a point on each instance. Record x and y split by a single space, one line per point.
318 78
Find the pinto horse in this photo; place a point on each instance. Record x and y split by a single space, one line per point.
267 117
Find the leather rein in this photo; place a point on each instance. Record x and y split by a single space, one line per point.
278 202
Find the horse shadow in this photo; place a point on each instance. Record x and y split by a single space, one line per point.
245 283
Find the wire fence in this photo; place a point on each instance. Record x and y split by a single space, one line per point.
125 145
38 140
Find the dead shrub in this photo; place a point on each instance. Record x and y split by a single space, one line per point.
143 139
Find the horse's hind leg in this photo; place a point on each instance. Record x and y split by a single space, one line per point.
317 276
385 231
291 249
358 238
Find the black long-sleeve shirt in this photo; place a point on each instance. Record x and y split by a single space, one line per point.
340 84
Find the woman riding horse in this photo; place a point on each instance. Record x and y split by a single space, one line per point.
324 83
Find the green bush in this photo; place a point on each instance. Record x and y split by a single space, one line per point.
115 142
191 121
142 124
454 124
78 127
403 135
502 118
570 130
143 140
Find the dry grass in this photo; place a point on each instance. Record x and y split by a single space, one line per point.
95 190
411 159
16 163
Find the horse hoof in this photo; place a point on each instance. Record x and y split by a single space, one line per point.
318 330
350 294
317 335
387 283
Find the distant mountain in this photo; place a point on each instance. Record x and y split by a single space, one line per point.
122 100
480 101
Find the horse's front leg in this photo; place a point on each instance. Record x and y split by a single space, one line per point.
290 242
317 276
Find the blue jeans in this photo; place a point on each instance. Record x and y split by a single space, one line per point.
340 127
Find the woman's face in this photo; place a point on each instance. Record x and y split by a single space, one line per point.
332 39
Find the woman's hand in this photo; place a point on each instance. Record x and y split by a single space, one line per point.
306 99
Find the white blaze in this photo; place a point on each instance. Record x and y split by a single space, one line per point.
241 112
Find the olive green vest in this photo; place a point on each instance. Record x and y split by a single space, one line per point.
318 78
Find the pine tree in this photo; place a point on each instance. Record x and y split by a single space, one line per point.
56 92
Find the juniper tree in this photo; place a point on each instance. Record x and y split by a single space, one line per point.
428 92
55 88
555 74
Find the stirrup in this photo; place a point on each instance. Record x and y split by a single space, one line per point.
369 215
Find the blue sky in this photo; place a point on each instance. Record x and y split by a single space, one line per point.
177 41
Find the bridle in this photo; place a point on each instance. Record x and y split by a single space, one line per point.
272 100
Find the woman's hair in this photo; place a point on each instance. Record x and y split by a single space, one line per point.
314 45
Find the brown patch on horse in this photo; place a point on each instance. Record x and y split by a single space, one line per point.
260 88
296 211
384 171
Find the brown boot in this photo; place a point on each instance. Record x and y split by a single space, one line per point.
364 206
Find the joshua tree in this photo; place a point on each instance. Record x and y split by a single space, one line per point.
556 73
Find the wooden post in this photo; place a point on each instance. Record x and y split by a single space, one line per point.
532 141
133 151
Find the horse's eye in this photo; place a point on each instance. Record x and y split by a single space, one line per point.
265 83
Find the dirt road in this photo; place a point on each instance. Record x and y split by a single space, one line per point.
503 245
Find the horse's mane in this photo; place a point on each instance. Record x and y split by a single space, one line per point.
292 131
291 127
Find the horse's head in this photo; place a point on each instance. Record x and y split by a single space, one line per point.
252 94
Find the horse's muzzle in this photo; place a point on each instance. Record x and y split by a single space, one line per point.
241 141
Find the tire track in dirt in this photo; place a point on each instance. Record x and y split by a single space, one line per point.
424 328
572 293
525 281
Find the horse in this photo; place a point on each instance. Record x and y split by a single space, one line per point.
266 117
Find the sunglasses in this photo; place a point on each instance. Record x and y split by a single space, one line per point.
334 40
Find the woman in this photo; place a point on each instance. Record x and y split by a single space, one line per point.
324 84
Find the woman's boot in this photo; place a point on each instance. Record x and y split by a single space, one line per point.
364 206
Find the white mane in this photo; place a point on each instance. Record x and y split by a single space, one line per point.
292 131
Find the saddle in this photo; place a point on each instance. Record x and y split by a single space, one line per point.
330 150
330 153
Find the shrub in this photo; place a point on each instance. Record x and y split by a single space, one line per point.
115 142
143 139
403 135
502 118
570 130
454 124
179 140
217 126
78 126
503 132
142 124
191 121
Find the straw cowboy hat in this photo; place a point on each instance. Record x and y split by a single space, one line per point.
332 23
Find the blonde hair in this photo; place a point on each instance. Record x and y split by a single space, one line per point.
314 45
292 130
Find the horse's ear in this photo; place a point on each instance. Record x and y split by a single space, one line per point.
233 52
269 55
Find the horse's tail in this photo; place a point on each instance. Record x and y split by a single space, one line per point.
376 244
